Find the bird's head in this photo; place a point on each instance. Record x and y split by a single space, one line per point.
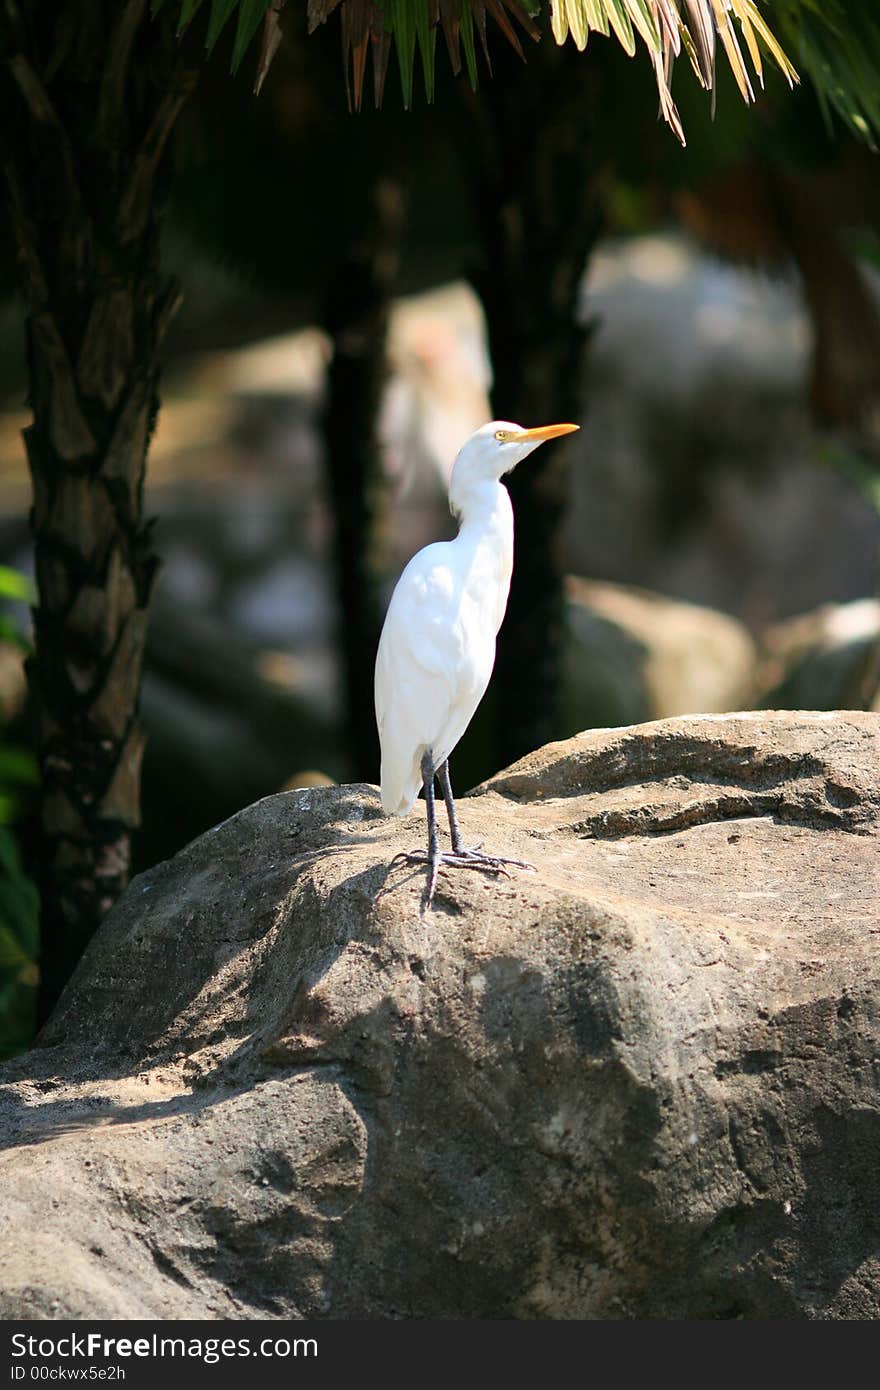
494 450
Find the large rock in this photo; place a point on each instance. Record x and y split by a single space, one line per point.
641 1081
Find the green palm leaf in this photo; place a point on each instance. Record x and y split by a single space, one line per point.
837 45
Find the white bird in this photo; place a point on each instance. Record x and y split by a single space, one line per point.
437 648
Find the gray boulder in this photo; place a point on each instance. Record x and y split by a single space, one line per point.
826 659
641 1081
633 655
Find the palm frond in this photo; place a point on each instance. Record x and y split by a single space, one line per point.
836 43
700 27
251 14
411 26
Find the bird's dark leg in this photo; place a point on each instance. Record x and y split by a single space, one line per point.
432 856
433 837
459 858
446 784
468 858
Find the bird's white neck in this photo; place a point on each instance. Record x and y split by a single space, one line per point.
482 506
485 542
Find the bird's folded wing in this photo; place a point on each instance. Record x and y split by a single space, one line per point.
423 633
423 679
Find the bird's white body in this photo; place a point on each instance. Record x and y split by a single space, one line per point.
437 648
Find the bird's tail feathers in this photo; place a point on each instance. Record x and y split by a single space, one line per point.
400 792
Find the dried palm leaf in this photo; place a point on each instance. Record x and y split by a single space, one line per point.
665 26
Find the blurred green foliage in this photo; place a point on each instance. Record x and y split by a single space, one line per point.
19 914
854 463
19 939
836 44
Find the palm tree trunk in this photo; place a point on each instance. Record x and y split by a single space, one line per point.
90 94
356 310
538 208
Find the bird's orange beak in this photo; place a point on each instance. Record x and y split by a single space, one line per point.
543 432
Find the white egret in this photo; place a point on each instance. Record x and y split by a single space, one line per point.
437 648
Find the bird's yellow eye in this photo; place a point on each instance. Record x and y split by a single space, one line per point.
502 436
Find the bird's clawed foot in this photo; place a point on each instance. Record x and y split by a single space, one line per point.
459 858
492 863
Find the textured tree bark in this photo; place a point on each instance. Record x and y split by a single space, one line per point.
356 309
537 202
90 92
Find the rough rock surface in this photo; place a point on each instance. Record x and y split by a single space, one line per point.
642 1081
